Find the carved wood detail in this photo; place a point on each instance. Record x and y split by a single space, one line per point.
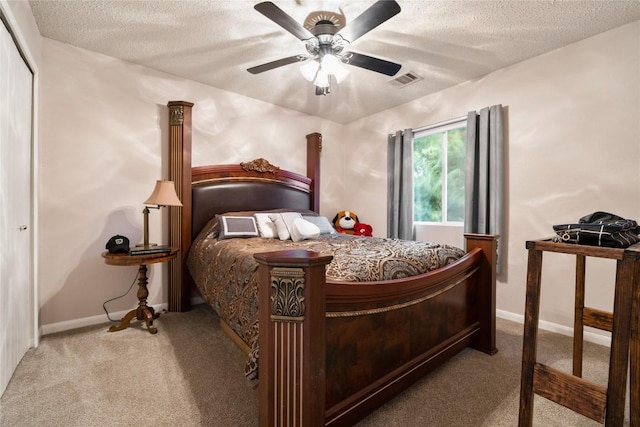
260 165
287 300
176 115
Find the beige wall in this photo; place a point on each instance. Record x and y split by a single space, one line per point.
103 145
103 139
573 132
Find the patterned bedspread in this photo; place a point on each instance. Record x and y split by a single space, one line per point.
225 271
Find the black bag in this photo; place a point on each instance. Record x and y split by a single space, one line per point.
599 229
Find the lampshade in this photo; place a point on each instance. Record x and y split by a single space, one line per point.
309 69
331 65
164 194
322 79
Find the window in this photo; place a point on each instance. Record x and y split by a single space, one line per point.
438 172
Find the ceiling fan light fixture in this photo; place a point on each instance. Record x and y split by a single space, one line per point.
310 69
326 37
322 79
331 65
320 71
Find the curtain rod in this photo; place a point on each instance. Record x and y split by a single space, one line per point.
444 123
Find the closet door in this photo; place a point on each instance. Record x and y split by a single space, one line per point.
16 290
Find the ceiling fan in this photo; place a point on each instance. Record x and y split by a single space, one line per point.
326 37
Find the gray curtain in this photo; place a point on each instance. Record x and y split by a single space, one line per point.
400 185
484 185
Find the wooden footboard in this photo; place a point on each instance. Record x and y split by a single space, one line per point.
340 350
292 338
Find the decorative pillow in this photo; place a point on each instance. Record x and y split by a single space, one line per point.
237 226
266 227
281 227
302 230
322 222
289 218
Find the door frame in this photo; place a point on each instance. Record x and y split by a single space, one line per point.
28 56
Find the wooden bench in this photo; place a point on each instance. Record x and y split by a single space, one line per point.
600 403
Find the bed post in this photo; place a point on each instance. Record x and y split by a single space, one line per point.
486 340
314 148
292 338
180 217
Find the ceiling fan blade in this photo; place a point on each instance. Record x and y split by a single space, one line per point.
378 13
278 16
370 63
275 64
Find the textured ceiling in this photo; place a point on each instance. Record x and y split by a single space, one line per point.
214 42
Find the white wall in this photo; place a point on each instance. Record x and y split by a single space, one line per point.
103 145
573 133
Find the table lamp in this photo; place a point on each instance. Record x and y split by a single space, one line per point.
164 194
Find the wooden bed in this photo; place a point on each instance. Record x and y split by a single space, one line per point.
330 353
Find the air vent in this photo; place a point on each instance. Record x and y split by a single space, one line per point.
405 79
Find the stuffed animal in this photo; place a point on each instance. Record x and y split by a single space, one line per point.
347 222
344 221
361 229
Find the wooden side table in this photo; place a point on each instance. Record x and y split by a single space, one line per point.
600 403
143 311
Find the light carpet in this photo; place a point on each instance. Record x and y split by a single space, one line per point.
191 374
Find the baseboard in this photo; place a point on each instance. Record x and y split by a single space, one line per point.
559 329
96 320
52 328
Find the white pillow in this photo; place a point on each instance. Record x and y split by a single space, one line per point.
302 229
289 218
266 227
281 227
322 222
